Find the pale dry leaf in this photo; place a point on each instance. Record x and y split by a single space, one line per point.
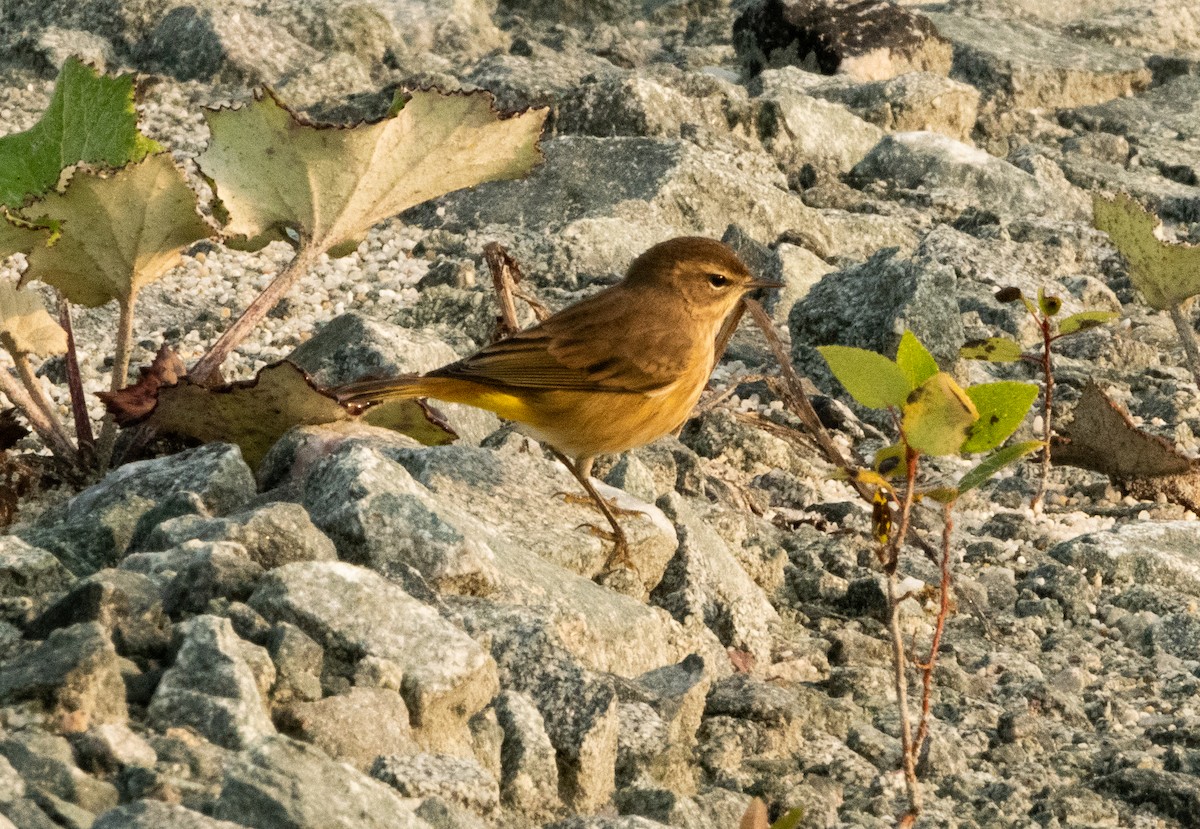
25 325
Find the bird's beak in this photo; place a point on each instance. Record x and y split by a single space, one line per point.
754 284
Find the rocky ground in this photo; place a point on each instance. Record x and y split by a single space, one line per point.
368 633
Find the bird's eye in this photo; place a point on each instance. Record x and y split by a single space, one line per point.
718 281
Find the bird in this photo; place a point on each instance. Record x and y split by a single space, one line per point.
614 371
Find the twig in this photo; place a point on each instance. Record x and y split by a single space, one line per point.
1188 339
206 368
37 418
1047 412
38 396
503 267
83 423
120 378
899 661
935 646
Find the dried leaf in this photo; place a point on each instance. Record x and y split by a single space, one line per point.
255 413
11 429
756 816
120 231
91 118
133 403
275 173
1165 273
25 325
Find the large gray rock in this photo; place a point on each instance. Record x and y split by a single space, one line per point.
283 784
918 101
47 768
799 129
94 529
31 574
457 780
1026 66
356 614
154 814
960 176
1161 553
272 534
212 688
660 714
529 773
355 727
75 675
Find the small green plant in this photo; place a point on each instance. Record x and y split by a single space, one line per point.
1004 350
1166 273
934 417
100 211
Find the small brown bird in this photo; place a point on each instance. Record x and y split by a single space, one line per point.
614 371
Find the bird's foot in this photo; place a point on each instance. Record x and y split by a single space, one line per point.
587 500
619 557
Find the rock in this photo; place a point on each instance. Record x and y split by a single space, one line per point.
298 663
959 176
867 40
915 102
30 574
570 11
75 675
1025 66
1175 795
95 528
1155 553
153 814
352 347
110 747
705 581
866 305
529 773
216 570
272 535
579 707
626 822
279 782
456 779
354 613
128 605
542 78
801 130
716 808
660 714
650 188
48 769
355 727
211 687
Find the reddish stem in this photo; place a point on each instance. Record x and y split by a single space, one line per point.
83 423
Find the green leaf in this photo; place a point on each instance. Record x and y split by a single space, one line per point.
120 231
91 118
937 416
993 349
915 360
255 413
25 326
275 172
1165 273
790 819
1049 305
871 379
995 462
1084 321
1001 407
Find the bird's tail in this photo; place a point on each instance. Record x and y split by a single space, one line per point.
369 392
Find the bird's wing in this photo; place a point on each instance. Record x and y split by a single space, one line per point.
587 347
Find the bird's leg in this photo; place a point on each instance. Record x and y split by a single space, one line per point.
581 471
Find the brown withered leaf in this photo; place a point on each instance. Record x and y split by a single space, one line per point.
11 429
134 403
1102 437
255 413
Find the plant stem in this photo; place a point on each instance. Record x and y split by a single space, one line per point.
501 266
120 377
38 396
83 423
37 417
943 612
1188 340
207 366
1047 412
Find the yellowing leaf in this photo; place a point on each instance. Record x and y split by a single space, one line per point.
915 360
1001 407
91 118
871 379
274 171
1085 320
18 235
26 327
1165 273
120 231
889 461
255 413
993 349
937 416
